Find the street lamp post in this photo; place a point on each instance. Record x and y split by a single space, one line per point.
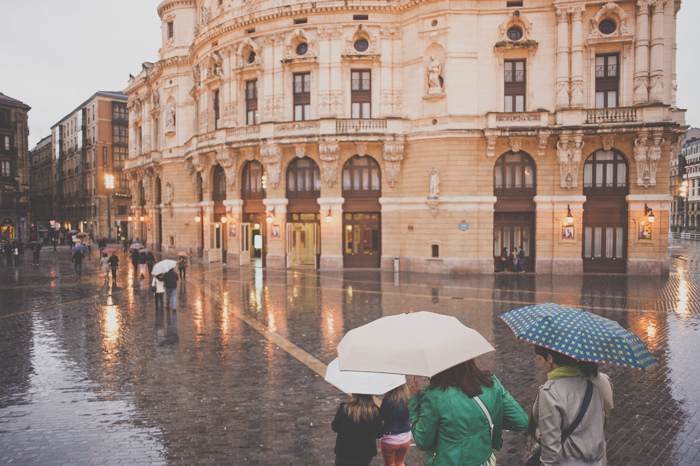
109 184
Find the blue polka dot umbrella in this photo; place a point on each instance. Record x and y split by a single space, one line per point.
580 335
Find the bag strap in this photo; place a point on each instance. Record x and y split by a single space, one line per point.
486 412
581 412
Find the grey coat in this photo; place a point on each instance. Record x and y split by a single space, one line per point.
556 408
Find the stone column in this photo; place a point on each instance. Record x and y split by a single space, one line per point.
562 57
641 54
331 233
656 73
276 250
577 55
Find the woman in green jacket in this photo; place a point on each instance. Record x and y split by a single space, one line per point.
450 425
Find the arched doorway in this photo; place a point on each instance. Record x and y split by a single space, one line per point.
253 231
143 233
159 215
217 228
303 213
514 185
361 213
605 185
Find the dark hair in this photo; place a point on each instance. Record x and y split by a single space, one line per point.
589 369
466 376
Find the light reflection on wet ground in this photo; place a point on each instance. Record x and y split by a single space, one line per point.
106 380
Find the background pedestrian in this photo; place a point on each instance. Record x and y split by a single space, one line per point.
521 260
104 262
15 252
114 265
143 264
358 425
159 285
182 267
171 289
150 261
78 262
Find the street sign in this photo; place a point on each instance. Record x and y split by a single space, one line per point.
463 226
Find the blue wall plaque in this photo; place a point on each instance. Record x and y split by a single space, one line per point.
463 226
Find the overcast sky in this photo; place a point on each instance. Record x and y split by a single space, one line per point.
56 53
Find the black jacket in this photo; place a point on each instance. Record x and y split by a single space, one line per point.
395 417
356 441
113 262
78 257
143 259
170 279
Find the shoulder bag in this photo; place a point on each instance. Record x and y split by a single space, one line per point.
534 458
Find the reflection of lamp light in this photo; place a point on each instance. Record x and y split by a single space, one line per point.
569 217
270 216
198 219
224 219
329 217
649 213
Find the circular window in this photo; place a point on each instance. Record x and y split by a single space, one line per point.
361 45
515 33
302 48
251 57
434 22
607 26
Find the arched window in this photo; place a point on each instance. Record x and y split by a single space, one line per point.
361 177
514 176
605 174
200 188
252 181
142 194
303 179
218 192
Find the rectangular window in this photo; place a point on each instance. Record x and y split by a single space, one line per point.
120 134
7 143
171 30
515 85
607 81
216 109
5 169
302 96
361 94
119 111
251 102
119 156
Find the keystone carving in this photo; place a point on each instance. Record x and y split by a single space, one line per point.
329 152
271 156
227 159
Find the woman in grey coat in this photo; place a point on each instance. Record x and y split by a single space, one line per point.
557 405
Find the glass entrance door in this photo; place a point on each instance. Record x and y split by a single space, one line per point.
362 244
214 242
302 244
604 240
514 230
245 244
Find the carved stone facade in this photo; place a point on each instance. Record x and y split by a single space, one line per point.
356 115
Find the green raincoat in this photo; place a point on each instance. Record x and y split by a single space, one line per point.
453 430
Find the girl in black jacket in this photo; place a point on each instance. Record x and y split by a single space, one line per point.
358 426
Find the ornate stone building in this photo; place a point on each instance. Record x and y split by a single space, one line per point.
349 134
43 196
14 169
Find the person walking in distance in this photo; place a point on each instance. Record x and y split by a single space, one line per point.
171 289
182 267
114 265
7 247
150 262
143 264
135 260
159 284
514 259
104 262
78 262
15 252
521 260
35 253
504 259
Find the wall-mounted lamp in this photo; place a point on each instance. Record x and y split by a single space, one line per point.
142 218
130 218
569 217
329 217
349 227
649 213
270 216
224 219
198 219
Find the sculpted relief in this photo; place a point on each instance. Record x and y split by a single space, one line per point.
569 158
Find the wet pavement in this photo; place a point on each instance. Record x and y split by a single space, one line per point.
90 374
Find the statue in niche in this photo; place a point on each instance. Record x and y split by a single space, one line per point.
434 82
434 183
170 118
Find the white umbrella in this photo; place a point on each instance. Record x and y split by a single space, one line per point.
421 343
163 266
362 383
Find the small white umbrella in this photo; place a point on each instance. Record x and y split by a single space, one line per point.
163 266
421 343
362 383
